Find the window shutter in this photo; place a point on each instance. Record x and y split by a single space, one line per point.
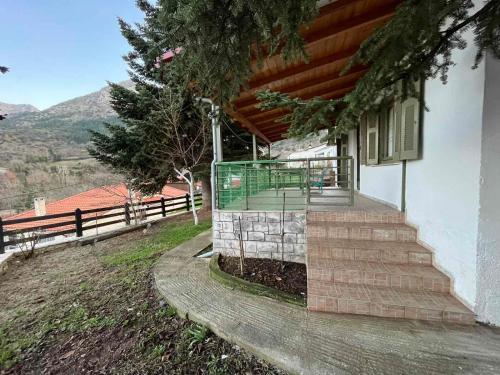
372 138
362 140
397 131
409 149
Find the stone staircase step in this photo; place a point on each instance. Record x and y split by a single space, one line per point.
357 216
361 231
383 251
400 276
385 302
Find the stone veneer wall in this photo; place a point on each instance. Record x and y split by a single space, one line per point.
261 234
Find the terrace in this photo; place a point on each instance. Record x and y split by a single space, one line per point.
285 185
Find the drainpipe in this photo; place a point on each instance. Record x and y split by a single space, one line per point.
216 146
403 187
254 143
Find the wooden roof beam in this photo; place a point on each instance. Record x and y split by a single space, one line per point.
290 89
346 86
246 124
297 69
372 16
269 116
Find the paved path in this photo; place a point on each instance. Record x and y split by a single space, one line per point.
315 343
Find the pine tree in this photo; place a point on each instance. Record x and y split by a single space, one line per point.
216 40
3 70
143 147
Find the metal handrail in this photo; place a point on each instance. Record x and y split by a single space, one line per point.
280 161
245 185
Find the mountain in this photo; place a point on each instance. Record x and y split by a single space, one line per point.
60 130
15 109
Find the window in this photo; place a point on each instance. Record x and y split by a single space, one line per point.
391 134
387 133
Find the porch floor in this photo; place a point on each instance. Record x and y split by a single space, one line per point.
306 342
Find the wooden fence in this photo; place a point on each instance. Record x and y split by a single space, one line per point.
78 221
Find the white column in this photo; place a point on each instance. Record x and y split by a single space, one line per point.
218 141
254 143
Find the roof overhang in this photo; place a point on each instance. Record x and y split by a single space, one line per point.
331 40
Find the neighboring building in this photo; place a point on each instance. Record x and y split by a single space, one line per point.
101 197
426 244
320 151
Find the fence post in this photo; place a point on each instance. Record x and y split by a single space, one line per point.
127 213
2 246
78 221
163 211
188 206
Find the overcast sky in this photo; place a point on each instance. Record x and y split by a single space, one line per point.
59 49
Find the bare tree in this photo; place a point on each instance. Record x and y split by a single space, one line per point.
129 196
28 242
181 137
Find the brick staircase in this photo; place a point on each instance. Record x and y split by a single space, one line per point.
368 262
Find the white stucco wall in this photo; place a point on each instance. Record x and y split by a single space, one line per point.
442 195
488 250
382 182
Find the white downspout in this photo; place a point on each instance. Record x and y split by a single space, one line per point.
254 144
215 146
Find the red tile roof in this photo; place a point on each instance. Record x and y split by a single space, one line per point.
111 195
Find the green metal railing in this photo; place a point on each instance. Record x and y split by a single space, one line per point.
269 184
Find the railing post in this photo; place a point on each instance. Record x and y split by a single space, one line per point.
163 211
246 187
78 222
188 206
351 187
308 181
127 213
2 243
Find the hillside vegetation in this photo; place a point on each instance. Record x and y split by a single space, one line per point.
44 153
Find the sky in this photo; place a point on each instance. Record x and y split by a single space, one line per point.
60 49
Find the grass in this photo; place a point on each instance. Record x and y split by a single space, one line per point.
94 309
146 251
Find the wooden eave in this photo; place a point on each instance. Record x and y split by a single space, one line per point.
331 40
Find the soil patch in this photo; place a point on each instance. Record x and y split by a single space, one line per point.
95 310
292 279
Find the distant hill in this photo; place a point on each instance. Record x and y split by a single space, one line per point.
282 149
15 109
30 135
61 129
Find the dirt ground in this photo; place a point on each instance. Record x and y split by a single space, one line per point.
290 279
95 310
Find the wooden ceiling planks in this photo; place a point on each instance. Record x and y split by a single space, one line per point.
331 39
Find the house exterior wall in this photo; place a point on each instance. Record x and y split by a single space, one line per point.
374 183
443 186
488 249
442 194
261 233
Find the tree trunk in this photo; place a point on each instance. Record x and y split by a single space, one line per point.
191 192
206 193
